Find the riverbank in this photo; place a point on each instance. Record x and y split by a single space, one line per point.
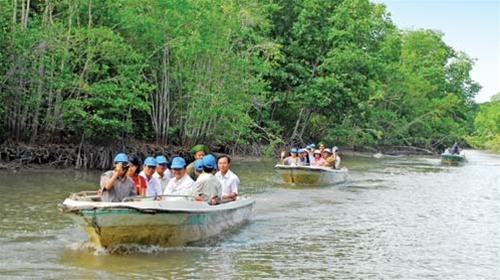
86 156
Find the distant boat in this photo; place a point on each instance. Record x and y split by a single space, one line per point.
452 159
169 222
311 175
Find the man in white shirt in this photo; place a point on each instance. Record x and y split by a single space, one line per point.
229 181
181 183
162 173
154 186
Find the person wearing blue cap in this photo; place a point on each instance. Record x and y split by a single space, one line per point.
198 167
115 184
181 183
207 187
303 157
154 186
162 174
292 159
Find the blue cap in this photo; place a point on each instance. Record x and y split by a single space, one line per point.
161 160
312 145
209 161
150 161
293 150
302 150
178 162
121 157
198 164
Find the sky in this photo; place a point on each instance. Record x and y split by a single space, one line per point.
471 26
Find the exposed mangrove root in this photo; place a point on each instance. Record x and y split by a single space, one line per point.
75 155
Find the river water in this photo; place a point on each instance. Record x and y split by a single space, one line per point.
395 218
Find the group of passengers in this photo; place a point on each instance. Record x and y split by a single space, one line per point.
206 179
454 150
310 156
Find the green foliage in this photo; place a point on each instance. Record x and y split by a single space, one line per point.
231 72
487 123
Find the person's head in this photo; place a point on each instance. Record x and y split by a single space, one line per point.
321 146
327 153
134 166
312 147
199 151
224 163
317 154
149 166
121 159
208 163
302 153
161 164
178 167
198 167
335 149
293 152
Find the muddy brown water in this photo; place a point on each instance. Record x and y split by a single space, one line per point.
395 218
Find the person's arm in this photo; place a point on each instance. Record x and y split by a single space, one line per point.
234 189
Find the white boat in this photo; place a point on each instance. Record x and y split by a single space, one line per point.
171 221
311 175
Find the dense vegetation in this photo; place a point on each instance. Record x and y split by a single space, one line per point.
487 123
234 73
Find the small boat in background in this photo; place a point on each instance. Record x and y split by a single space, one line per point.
311 175
171 221
452 159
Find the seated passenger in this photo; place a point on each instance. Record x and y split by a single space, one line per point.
162 174
207 186
310 152
115 184
303 157
317 160
134 167
154 186
329 158
198 152
198 167
321 147
292 160
336 156
229 181
181 183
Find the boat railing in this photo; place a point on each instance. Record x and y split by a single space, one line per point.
86 196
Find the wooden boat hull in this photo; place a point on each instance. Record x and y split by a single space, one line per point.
305 175
173 225
452 159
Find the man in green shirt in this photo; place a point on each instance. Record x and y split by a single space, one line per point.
207 186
